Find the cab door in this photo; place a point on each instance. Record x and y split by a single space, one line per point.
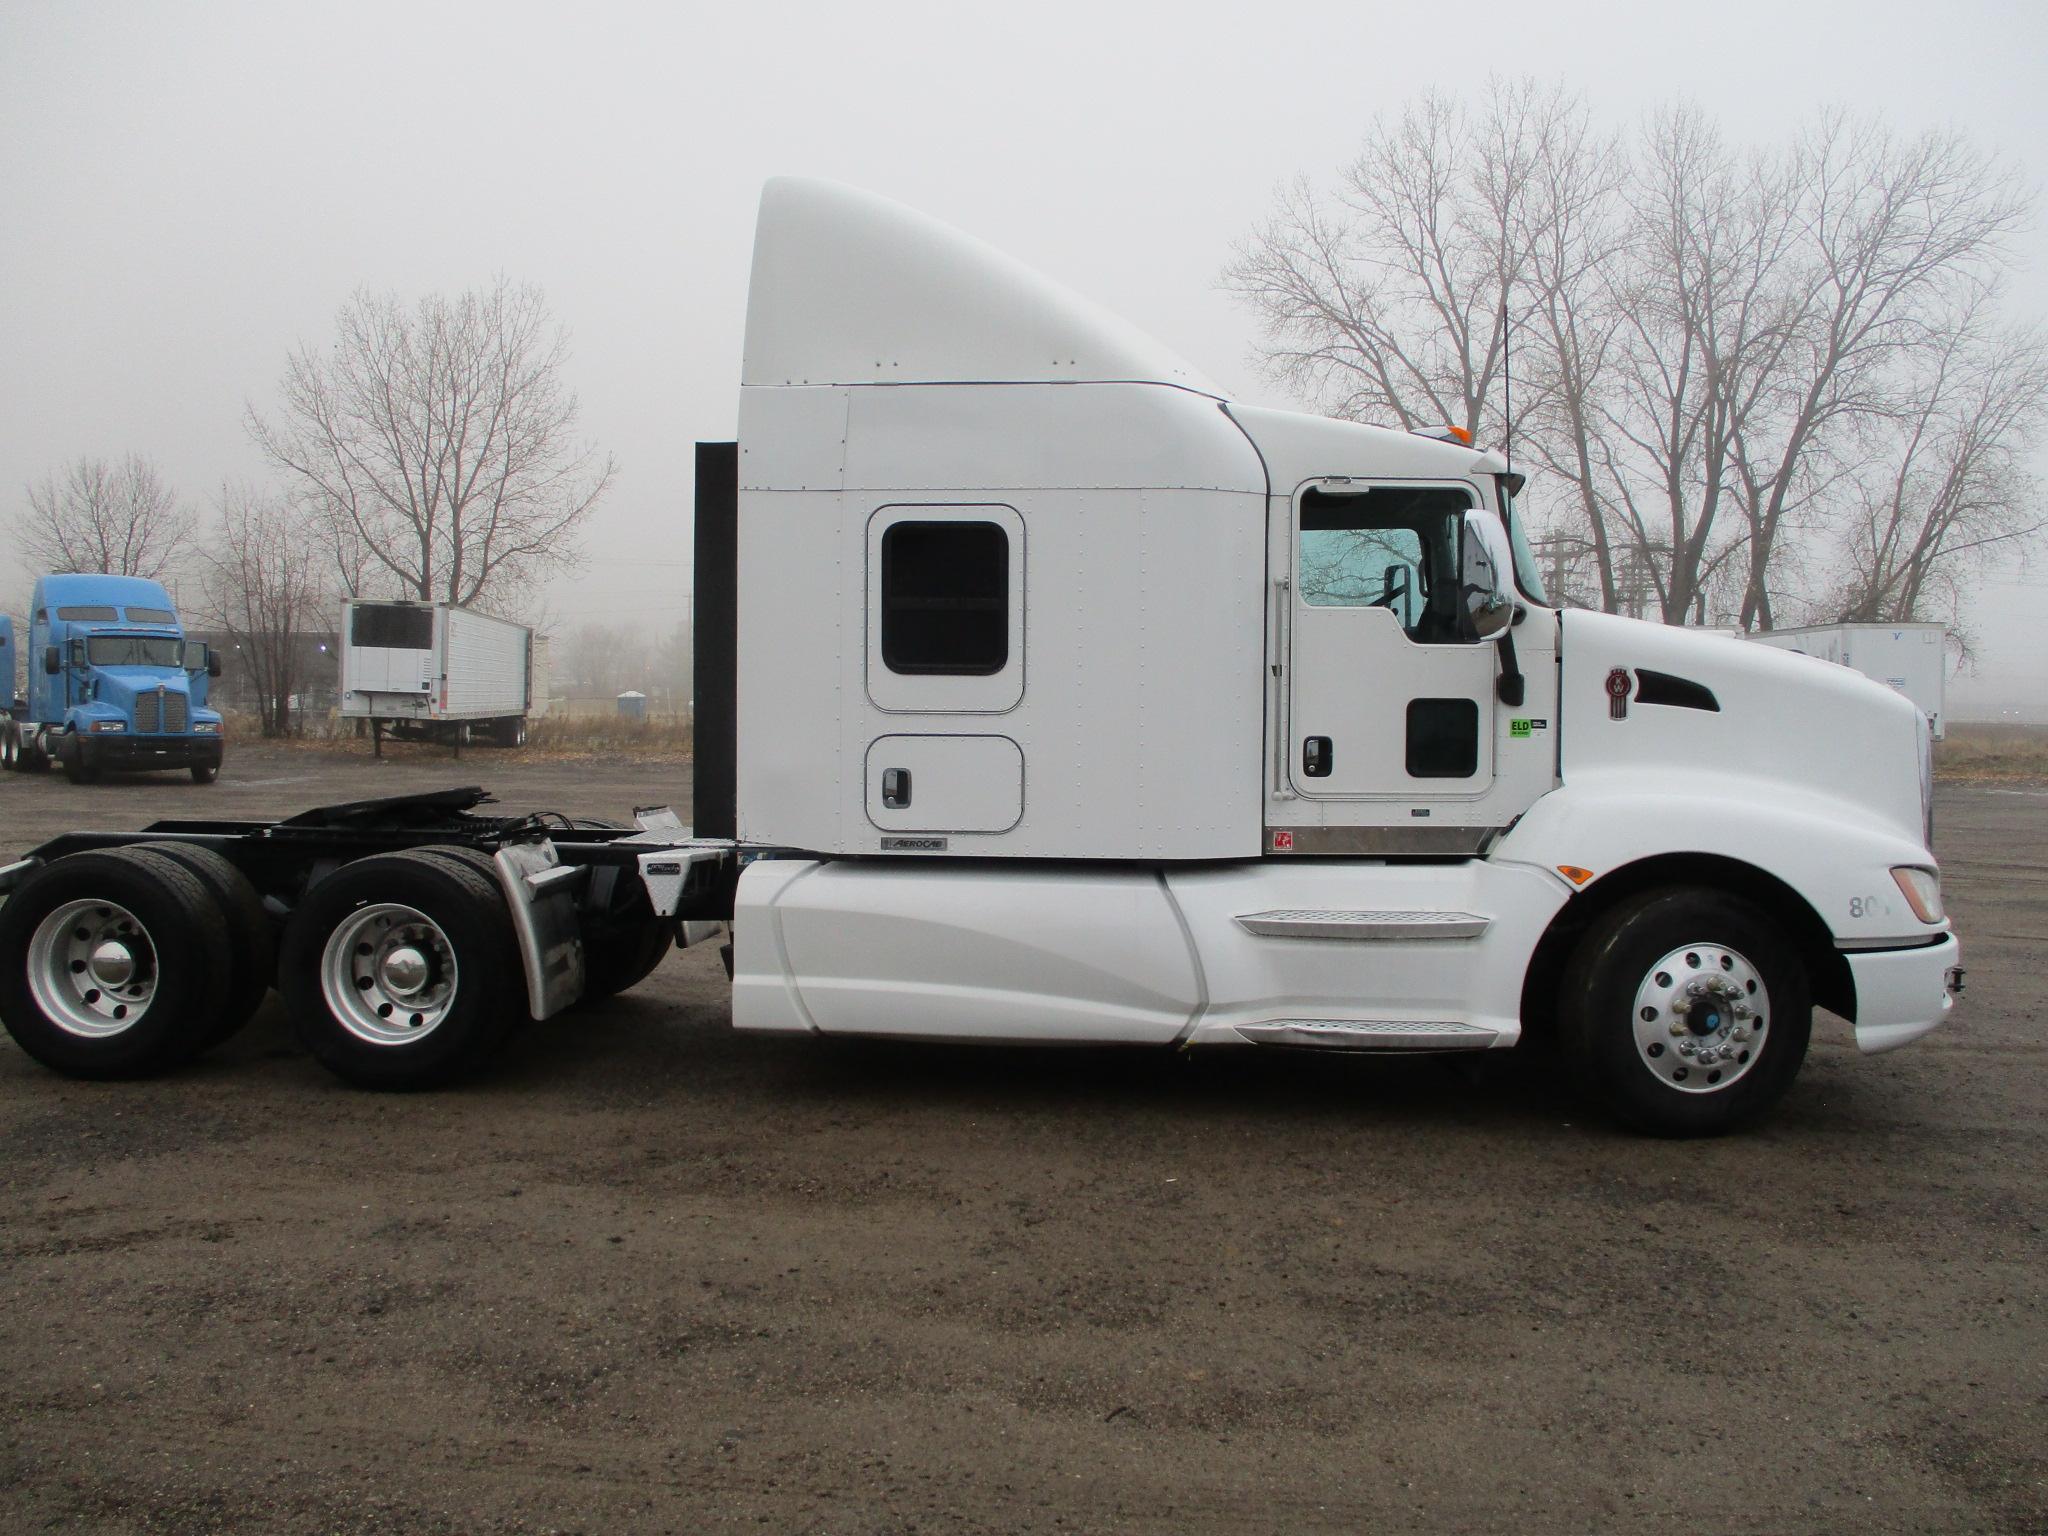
1390 698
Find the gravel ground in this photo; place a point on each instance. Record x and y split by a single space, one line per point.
653 1276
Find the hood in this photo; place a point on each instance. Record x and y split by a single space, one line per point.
120 685
1654 696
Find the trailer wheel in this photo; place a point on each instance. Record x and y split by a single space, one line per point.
401 970
111 965
1686 1012
252 944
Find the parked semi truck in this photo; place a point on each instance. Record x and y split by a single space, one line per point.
435 671
1047 693
112 683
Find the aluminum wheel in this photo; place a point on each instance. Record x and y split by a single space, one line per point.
388 974
1700 1018
92 968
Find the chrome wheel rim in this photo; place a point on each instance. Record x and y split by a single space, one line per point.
388 974
92 969
1702 1017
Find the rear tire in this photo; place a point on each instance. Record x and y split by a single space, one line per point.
10 747
401 970
111 965
618 959
252 942
1685 1012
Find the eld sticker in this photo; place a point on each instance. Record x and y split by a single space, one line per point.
1521 730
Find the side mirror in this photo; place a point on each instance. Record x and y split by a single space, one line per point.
52 662
1489 602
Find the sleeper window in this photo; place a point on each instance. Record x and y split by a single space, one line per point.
946 598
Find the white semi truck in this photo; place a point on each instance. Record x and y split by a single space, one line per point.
1046 693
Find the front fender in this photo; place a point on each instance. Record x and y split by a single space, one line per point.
1828 850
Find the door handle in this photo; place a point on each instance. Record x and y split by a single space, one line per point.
896 788
1316 757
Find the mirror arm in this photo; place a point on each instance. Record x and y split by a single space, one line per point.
1511 687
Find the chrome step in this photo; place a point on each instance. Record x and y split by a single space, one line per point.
1373 1034
1317 923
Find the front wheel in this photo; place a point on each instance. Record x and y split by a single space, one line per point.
205 773
78 770
1685 1012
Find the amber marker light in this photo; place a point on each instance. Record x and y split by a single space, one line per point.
1573 873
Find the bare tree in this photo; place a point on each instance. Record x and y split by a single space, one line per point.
1944 481
1714 348
111 518
437 445
266 587
1891 233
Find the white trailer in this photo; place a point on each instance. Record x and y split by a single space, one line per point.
1045 693
433 670
1911 659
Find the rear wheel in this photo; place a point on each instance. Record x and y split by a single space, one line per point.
10 747
33 758
617 959
111 965
401 970
252 943
1685 1012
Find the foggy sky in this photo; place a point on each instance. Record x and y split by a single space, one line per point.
187 191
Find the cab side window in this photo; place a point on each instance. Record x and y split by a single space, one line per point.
1394 547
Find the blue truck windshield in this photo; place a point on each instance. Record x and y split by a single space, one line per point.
132 651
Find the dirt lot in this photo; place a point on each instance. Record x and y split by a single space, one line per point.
654 1276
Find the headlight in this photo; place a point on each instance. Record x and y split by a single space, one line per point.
1922 890
206 727
100 726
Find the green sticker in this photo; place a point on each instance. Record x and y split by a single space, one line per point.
1519 729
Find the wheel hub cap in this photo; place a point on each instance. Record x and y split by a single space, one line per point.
92 968
1701 1017
388 974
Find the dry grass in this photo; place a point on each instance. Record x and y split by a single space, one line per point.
664 739
1984 753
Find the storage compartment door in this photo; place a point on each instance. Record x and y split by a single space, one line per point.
940 784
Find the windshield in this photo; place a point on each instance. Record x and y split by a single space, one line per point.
1527 577
132 651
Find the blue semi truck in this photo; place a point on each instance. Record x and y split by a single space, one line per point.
112 683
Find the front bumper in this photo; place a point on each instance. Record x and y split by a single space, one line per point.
1901 994
138 754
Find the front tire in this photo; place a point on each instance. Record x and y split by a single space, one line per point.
401 971
111 965
1685 1012
77 769
205 773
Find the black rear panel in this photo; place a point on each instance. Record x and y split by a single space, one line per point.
716 680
